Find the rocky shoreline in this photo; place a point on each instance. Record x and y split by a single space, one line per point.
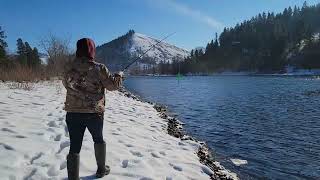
175 129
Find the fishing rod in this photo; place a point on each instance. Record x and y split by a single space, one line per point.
144 53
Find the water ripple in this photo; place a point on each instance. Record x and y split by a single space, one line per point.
271 122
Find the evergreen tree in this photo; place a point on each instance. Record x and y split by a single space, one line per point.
262 43
35 56
28 54
21 51
3 44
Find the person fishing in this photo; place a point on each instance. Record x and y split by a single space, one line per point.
86 81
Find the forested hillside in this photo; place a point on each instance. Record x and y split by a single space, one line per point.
266 43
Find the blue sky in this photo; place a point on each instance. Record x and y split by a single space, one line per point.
195 21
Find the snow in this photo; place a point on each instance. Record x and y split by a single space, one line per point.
34 139
291 71
315 37
44 58
239 162
162 52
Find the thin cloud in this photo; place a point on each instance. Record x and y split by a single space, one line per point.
193 13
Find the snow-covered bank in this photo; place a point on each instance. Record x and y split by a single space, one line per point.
34 140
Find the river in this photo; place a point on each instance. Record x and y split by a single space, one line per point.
272 123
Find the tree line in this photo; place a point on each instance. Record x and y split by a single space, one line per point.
266 43
25 55
25 64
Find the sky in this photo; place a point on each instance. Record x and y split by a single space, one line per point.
194 21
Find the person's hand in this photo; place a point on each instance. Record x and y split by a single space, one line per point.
118 77
120 74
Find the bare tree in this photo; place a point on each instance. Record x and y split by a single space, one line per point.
58 51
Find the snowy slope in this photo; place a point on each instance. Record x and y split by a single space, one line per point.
162 52
121 51
34 139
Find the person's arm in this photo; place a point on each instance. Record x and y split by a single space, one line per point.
110 82
64 78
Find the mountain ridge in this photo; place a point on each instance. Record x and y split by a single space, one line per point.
119 52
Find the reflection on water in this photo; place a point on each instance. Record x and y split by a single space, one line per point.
271 122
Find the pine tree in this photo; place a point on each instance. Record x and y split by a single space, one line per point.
3 44
263 43
304 6
35 56
192 53
216 43
28 54
21 51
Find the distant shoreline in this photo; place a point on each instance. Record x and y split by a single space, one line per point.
296 72
213 75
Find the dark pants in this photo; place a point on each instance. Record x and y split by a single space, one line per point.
77 124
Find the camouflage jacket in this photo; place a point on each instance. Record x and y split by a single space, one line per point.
85 82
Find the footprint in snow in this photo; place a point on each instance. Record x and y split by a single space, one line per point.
58 137
136 161
35 157
38 104
2 102
136 153
50 129
146 178
155 155
52 124
175 167
20 136
125 163
7 130
131 137
53 171
116 134
129 145
7 147
63 165
63 145
66 132
132 120
32 173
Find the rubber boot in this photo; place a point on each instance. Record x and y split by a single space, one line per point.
100 153
73 166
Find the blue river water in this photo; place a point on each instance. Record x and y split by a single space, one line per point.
271 122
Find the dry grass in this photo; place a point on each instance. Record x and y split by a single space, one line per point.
21 77
24 85
20 74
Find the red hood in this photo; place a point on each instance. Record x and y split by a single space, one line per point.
86 48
